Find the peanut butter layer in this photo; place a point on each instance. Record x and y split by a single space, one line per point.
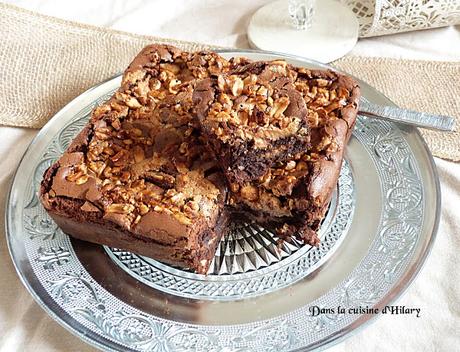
252 117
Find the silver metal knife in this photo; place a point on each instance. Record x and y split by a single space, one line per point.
408 117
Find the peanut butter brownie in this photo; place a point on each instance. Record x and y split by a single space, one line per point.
294 195
139 176
252 117
146 172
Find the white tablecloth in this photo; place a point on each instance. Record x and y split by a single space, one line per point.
25 327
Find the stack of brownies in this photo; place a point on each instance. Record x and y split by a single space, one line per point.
191 140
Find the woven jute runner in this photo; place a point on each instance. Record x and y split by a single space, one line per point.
45 62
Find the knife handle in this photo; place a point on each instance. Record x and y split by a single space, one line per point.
409 117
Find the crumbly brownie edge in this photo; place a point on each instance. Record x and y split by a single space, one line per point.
324 176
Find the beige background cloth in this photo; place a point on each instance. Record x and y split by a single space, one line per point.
24 326
46 62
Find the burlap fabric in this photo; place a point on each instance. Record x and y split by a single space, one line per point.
429 86
45 62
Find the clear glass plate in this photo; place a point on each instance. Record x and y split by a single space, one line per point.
379 229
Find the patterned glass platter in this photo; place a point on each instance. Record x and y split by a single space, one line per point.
376 236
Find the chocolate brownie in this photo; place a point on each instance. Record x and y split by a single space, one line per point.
252 117
139 176
294 195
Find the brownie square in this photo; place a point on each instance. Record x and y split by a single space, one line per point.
139 176
252 117
294 195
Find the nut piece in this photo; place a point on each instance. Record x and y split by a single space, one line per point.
301 166
158 208
191 208
322 82
281 63
116 124
135 132
279 106
102 133
161 178
82 180
154 84
120 208
250 80
173 86
182 219
263 91
119 158
250 193
236 85
290 165
313 118
143 209
97 167
128 100
221 82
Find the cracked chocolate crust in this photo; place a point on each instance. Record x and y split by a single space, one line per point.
252 117
166 240
138 176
